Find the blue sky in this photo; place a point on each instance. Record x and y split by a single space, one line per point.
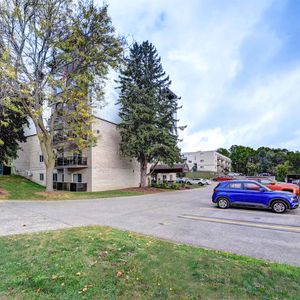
235 64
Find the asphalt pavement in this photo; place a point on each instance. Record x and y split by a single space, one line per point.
183 216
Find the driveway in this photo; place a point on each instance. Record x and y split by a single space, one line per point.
184 216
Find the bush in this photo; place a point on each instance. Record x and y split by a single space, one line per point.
164 185
154 184
175 186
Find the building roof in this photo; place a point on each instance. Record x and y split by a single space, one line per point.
177 168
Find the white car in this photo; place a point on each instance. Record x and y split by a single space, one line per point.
207 181
191 181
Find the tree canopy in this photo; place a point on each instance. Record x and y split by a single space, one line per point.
11 132
263 160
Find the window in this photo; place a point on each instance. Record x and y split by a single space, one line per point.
55 177
251 186
171 177
202 160
41 176
77 177
266 181
164 177
189 161
41 158
234 186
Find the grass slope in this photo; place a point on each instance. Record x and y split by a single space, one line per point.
103 263
19 188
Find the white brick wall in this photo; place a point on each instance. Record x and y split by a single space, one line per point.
106 170
109 169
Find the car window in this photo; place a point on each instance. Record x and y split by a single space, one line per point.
266 181
251 186
234 185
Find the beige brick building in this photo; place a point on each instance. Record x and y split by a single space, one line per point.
208 161
96 169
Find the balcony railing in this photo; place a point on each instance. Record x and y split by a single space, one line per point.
70 186
71 161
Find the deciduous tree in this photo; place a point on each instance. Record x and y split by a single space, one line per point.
56 56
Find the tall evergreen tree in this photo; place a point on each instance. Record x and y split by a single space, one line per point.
147 110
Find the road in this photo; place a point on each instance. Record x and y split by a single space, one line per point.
184 217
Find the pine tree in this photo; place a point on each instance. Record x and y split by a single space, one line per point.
147 110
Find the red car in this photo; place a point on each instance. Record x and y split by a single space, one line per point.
223 178
277 186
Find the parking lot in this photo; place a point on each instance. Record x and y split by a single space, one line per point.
184 216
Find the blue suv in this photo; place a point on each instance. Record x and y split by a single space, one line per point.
252 193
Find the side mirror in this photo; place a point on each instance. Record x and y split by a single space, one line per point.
262 189
273 183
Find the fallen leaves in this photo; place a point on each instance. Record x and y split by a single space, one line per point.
85 288
119 273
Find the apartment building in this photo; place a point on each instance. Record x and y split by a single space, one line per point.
207 161
98 168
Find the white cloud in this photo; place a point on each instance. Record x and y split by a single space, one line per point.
201 45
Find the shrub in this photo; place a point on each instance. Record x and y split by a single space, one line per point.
175 186
154 184
164 185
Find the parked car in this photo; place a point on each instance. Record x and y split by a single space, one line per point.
181 180
207 181
191 181
277 186
223 178
252 193
264 175
296 181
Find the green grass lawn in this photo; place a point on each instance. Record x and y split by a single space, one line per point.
19 188
103 263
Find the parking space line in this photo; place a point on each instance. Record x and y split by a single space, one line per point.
245 211
242 223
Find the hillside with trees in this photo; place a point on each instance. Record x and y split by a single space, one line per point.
276 161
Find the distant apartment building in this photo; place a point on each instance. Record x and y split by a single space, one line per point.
207 161
98 168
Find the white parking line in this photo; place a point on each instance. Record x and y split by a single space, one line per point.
242 223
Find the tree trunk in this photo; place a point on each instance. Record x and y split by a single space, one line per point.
49 176
49 157
143 165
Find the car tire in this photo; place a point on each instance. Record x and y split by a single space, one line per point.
223 203
279 207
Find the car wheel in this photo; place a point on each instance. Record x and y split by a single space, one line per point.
223 203
278 207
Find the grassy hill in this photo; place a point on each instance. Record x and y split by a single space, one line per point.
19 188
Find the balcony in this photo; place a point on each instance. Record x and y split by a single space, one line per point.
70 186
71 162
